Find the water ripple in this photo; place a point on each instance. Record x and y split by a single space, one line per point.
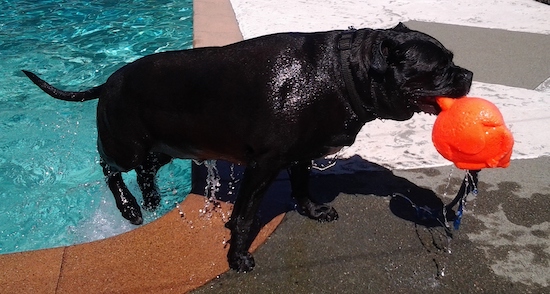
51 186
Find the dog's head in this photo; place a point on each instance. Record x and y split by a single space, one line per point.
413 68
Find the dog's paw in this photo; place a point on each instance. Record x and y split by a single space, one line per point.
151 201
320 212
241 261
133 214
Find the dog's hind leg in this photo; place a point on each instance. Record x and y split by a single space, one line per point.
146 178
124 200
299 181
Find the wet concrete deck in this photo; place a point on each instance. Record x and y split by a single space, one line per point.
378 246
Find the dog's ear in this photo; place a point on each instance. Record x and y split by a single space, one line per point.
400 27
380 52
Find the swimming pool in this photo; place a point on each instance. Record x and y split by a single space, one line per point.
52 191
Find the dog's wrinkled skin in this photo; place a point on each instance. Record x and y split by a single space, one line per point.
269 103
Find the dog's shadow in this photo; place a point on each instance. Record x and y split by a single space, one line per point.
372 180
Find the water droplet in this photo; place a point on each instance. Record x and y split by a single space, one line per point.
448 181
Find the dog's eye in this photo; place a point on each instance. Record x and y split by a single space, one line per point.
439 71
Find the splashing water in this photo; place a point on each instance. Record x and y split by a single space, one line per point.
232 180
212 180
468 187
449 178
213 184
439 246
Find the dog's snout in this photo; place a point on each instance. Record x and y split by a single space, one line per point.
467 75
461 82
465 79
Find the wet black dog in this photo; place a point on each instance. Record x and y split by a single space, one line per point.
269 103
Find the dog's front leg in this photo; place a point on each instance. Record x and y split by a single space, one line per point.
299 181
256 179
125 201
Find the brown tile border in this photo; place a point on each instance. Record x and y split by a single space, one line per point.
214 23
30 272
170 255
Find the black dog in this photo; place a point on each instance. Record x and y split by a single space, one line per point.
269 103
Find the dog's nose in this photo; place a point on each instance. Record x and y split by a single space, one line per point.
467 75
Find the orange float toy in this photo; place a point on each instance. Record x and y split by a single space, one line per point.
471 133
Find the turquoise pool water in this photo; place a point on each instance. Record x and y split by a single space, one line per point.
52 191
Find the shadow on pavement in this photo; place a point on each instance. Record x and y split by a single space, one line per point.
372 180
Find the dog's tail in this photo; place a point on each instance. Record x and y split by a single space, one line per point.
90 94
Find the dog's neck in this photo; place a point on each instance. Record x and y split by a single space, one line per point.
357 105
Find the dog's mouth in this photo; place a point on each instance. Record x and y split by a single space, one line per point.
427 105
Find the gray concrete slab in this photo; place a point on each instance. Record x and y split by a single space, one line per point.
495 56
376 247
